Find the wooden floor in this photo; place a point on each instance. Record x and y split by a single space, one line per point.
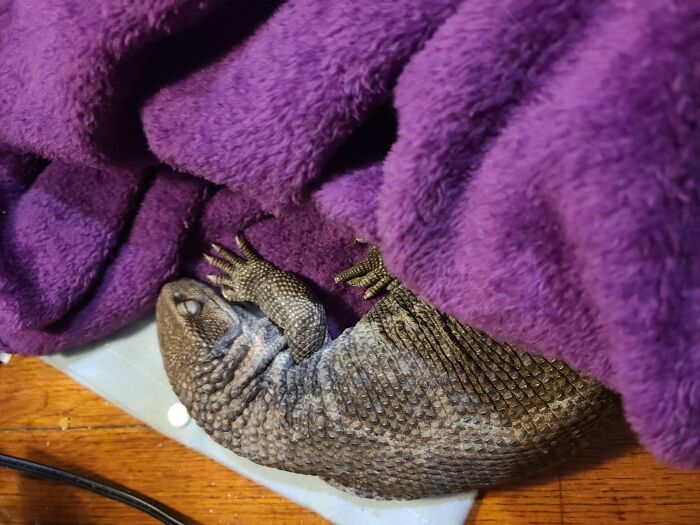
46 417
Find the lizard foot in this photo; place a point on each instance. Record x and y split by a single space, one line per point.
234 268
370 273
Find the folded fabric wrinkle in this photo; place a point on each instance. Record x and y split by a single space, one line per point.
125 290
266 118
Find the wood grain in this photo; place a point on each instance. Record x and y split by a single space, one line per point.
104 442
612 481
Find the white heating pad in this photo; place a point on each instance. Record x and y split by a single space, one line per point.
127 370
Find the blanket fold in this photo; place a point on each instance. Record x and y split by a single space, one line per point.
267 117
531 167
125 289
70 214
69 73
562 218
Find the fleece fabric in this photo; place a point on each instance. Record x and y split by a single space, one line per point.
313 86
531 167
70 72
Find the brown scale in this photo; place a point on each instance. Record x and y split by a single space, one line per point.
409 403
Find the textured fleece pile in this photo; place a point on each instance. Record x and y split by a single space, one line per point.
529 166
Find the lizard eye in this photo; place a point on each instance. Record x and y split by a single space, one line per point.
189 307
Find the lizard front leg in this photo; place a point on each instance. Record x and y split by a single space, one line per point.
283 297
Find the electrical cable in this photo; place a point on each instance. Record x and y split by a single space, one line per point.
134 500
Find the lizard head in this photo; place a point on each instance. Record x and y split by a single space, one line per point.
192 317
195 327
203 340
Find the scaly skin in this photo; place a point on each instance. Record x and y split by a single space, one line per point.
406 404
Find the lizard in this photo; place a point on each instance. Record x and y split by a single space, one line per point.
408 403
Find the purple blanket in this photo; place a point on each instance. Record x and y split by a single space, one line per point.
529 166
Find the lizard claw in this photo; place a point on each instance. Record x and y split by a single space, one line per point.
226 255
235 279
382 283
246 248
222 264
370 273
230 264
372 261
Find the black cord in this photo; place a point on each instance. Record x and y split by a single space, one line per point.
131 499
